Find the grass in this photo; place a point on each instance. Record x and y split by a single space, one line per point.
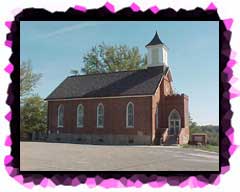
212 148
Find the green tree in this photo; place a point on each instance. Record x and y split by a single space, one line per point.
104 58
193 127
28 79
33 115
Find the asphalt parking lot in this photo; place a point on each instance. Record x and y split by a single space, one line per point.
39 156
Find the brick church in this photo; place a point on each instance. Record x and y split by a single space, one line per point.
127 107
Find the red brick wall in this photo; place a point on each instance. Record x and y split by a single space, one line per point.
114 116
167 102
155 104
159 100
163 110
175 102
180 103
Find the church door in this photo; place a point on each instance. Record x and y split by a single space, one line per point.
174 123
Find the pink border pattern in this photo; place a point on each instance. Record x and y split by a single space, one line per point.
134 180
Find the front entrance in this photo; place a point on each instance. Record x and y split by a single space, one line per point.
174 127
174 122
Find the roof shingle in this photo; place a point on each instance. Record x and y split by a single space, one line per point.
125 83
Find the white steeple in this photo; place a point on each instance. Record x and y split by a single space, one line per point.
157 53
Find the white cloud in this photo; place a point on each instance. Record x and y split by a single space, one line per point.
67 29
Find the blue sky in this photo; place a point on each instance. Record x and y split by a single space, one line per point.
55 48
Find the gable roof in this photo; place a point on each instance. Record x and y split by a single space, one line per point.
125 83
155 41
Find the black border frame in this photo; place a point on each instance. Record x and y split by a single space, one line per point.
126 14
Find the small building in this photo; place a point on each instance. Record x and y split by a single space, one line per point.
126 107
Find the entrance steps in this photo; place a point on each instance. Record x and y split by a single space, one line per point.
171 140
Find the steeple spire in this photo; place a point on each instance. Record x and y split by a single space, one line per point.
155 41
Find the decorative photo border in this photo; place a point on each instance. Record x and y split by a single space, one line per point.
120 179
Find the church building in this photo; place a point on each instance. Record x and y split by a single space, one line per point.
121 108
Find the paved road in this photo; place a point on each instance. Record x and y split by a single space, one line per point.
37 156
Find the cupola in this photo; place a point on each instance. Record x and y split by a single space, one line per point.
157 52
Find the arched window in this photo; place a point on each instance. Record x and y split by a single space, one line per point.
60 115
174 122
130 115
80 115
156 118
100 115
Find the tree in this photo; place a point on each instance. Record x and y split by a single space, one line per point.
33 115
104 58
193 127
28 79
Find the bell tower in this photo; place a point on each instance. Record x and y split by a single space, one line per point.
157 52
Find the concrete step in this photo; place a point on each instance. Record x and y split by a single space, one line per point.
171 140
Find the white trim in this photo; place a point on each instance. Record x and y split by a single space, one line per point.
80 105
156 118
174 110
100 126
58 125
170 73
113 97
127 125
158 45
